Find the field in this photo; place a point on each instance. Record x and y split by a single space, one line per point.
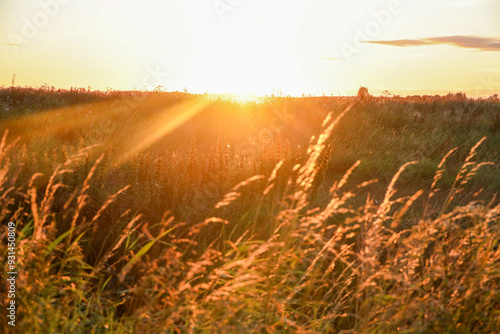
155 212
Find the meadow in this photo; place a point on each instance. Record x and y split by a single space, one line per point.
156 212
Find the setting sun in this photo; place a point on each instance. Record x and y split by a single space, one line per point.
242 61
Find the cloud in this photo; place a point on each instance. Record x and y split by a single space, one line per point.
467 42
9 44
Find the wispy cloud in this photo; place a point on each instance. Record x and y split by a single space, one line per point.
468 42
9 44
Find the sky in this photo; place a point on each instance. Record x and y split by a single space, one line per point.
258 47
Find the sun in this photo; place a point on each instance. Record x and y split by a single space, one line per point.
242 98
243 62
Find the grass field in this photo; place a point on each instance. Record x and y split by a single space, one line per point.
153 212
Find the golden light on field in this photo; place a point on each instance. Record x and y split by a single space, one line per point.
290 166
241 98
161 124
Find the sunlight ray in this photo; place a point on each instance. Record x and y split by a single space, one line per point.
163 123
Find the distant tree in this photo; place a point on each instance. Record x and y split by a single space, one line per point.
363 92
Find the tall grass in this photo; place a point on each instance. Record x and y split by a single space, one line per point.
281 261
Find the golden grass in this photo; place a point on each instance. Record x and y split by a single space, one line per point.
288 265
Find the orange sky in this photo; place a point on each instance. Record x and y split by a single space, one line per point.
243 46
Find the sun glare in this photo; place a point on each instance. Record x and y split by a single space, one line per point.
242 62
241 98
